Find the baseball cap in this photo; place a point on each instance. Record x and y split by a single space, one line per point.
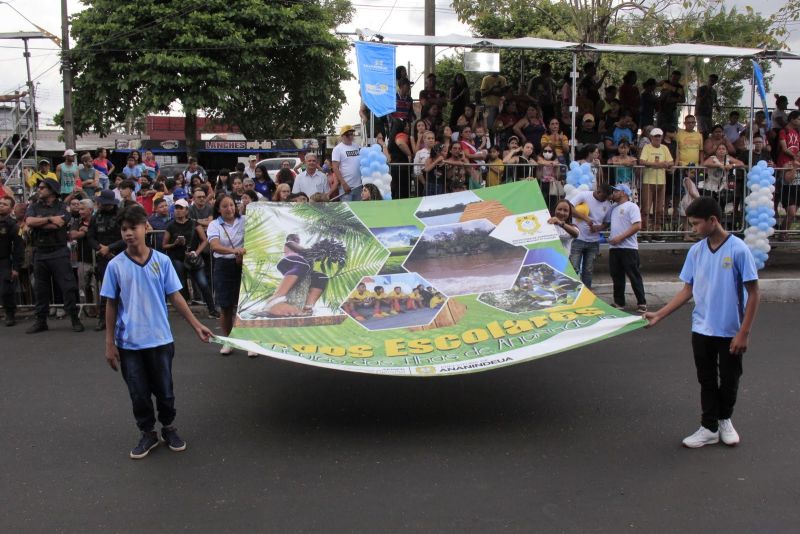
182 203
44 161
106 198
69 152
252 157
346 128
622 187
179 193
53 185
588 117
656 131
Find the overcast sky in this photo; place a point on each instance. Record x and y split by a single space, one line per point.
405 17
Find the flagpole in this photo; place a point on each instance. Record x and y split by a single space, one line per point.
752 115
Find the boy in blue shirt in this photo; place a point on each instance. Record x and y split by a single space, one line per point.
138 336
720 273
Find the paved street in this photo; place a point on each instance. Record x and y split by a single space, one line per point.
586 441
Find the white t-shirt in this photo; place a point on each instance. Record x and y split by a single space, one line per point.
349 160
316 183
419 160
597 213
250 173
622 217
565 237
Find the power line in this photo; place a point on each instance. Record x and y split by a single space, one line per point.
389 15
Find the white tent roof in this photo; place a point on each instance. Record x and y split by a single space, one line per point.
533 43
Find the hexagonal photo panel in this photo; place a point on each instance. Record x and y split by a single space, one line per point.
302 262
391 301
398 240
445 209
538 287
463 258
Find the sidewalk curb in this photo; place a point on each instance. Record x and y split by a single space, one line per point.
772 290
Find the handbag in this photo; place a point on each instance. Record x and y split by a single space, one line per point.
196 262
239 259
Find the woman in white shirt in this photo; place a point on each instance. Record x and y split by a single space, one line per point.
226 239
562 220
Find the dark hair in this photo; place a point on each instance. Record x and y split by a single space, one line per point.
715 76
571 209
374 192
252 194
704 207
127 184
717 127
219 200
240 167
793 115
157 202
192 160
9 198
223 172
585 150
133 215
650 81
607 189
170 184
295 196
630 76
674 72
732 113
284 176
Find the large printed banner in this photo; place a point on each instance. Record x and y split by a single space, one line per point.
432 286
376 64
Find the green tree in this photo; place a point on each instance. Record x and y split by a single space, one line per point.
273 68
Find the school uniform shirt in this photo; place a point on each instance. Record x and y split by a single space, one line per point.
597 213
622 217
139 289
717 278
229 235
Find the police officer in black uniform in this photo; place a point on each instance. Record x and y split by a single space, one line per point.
12 252
48 219
105 238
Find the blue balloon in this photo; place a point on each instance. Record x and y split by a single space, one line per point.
381 157
763 226
387 196
574 165
772 221
762 164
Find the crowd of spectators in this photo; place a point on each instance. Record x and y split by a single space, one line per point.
630 133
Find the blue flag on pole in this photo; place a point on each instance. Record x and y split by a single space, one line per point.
762 92
376 63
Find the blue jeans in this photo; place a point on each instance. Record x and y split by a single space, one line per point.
149 372
582 256
199 277
353 195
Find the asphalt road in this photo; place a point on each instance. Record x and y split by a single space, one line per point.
585 441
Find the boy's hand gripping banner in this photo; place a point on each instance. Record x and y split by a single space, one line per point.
432 286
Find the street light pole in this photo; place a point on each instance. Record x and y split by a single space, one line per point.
32 94
66 69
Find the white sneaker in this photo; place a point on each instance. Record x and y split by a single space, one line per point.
251 354
226 350
60 313
727 433
703 436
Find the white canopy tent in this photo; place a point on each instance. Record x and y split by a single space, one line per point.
534 43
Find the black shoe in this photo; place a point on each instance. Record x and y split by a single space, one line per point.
36 328
100 326
148 442
10 319
173 440
213 314
77 325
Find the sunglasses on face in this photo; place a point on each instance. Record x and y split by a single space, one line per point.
547 151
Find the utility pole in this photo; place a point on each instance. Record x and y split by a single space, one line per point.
430 29
66 69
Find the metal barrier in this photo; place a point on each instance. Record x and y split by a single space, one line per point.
663 205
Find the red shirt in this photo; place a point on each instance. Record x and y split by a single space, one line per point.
147 203
792 139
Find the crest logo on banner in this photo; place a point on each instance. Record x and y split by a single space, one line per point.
376 64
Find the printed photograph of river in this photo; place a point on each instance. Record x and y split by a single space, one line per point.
463 259
445 209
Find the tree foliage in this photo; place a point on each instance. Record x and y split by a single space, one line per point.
273 68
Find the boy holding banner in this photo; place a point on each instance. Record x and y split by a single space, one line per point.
720 273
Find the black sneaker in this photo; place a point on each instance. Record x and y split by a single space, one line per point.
173 440
10 319
101 325
214 314
77 325
36 328
148 442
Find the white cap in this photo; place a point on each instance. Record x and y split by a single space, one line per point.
656 131
182 203
69 152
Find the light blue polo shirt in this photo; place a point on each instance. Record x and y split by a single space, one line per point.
140 292
717 279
